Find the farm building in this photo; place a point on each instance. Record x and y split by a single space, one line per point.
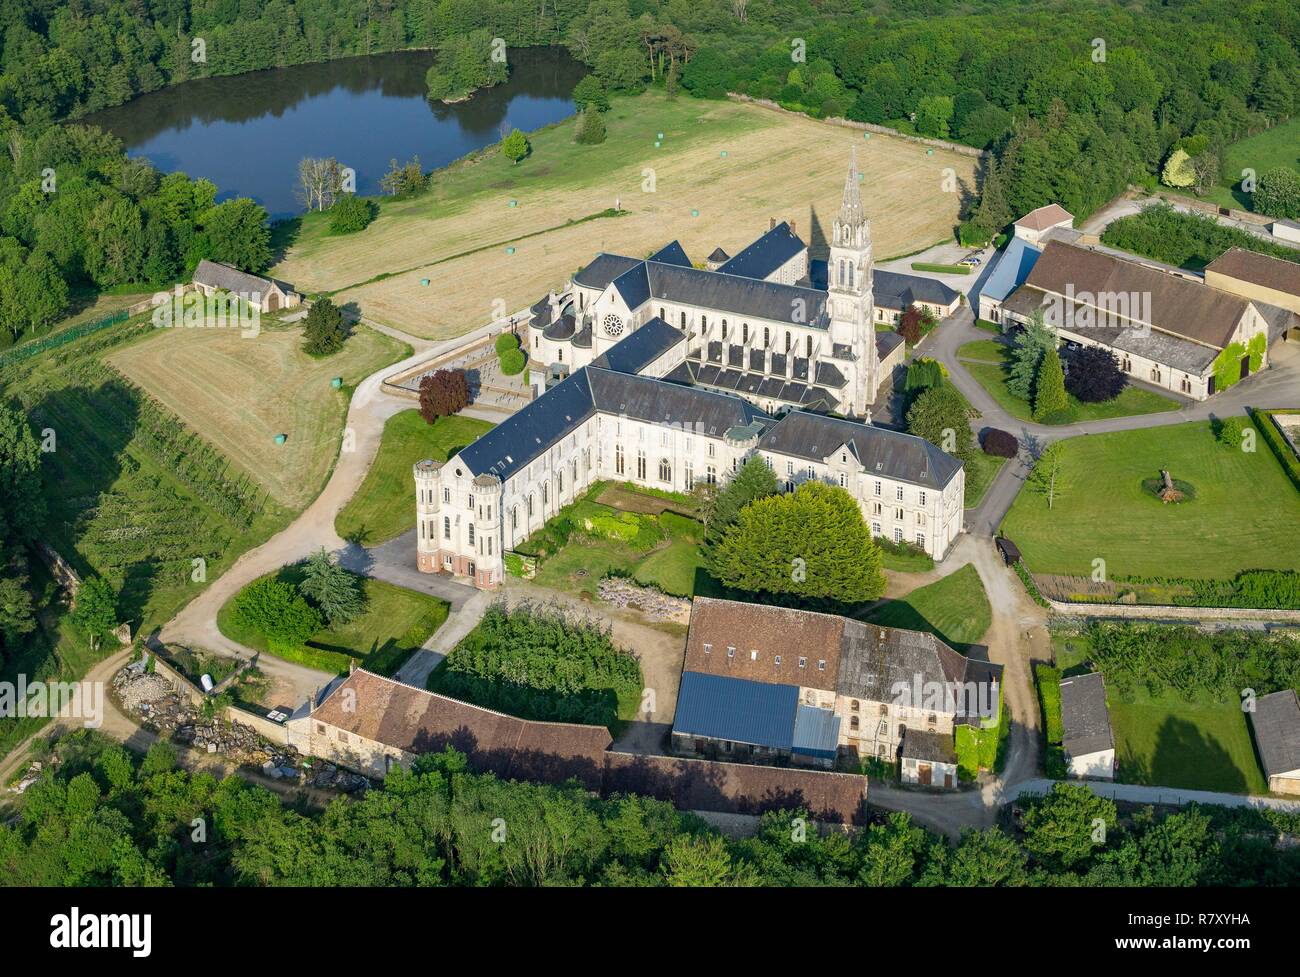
1276 722
1088 742
264 294
928 759
1272 282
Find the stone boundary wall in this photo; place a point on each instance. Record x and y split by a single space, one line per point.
264 727
865 127
1169 611
1204 206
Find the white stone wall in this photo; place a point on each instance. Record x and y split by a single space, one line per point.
1093 766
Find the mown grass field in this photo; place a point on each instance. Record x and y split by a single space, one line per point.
395 624
777 165
1279 146
1245 515
985 360
956 609
238 393
384 506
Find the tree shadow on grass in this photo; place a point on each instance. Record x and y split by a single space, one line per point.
1185 756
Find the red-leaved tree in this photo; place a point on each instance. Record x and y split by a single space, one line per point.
442 393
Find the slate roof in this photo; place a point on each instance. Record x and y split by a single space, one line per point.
1276 721
878 663
645 345
401 716
765 255
1178 307
891 454
719 255
603 269
649 399
530 431
1259 269
1044 217
928 747
672 253
715 291
1014 265
897 290
886 342
231 279
757 713
1085 720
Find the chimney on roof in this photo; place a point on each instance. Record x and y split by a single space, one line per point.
793 229
771 223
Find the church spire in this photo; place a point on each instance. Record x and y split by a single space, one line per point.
851 206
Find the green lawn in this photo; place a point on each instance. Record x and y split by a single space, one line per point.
917 562
979 476
1245 515
674 564
1172 743
987 365
956 609
384 505
396 623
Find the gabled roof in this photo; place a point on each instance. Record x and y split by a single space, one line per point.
929 747
757 713
529 432
603 269
1085 720
1259 269
898 290
401 716
1013 267
649 399
220 275
1276 721
890 454
761 635
719 255
1178 307
645 345
1044 217
876 662
766 255
713 290
672 253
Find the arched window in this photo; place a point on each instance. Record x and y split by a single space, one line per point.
446 527
850 264
545 493
471 534
809 345
683 322
665 471
766 337
530 505
744 332
724 328
514 517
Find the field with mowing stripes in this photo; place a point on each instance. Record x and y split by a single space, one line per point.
776 165
239 393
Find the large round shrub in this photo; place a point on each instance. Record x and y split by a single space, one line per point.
506 342
513 361
1000 444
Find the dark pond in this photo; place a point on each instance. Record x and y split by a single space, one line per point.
247 133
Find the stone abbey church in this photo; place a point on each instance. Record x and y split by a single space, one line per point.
664 375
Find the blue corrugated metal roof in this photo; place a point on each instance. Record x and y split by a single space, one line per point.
1014 265
735 709
816 732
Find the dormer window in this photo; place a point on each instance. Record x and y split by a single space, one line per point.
708 648
731 651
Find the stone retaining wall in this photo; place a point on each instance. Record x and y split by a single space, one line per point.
1174 612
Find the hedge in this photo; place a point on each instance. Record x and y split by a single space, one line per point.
941 269
1281 448
1049 697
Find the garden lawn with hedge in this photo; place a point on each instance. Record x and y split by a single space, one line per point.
396 622
981 470
985 360
384 506
956 609
1246 513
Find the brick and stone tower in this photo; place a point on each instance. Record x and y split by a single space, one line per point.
428 515
488 555
852 307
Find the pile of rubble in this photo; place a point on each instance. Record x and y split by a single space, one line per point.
330 777
650 601
158 705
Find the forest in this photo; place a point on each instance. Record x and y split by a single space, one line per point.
100 816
